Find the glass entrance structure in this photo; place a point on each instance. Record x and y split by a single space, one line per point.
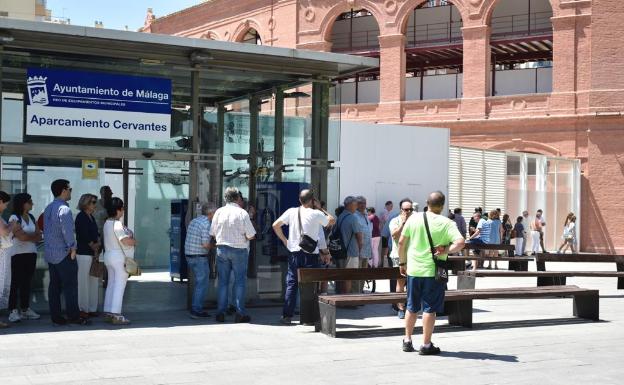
241 115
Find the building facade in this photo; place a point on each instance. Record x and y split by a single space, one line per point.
535 76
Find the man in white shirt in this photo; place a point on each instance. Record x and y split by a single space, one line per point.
310 218
232 229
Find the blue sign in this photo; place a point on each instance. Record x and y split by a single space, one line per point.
97 105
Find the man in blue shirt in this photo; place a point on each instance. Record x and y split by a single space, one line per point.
60 254
351 233
196 248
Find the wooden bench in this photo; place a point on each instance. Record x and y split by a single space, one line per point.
458 303
467 279
309 279
542 258
458 262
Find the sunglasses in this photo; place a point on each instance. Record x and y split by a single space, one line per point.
407 210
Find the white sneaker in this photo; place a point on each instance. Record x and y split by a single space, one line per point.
14 316
30 314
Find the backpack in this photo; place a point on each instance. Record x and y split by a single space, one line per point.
336 245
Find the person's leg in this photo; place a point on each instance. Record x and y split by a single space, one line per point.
411 315
292 282
54 292
111 281
541 233
16 278
519 246
428 320
202 279
239 265
224 267
30 262
69 278
84 264
400 288
573 246
375 245
94 291
121 278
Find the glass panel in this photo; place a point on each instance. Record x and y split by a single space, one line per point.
236 147
34 176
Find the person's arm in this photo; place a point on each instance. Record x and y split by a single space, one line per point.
403 241
396 233
330 218
250 231
322 245
475 234
67 229
205 237
277 228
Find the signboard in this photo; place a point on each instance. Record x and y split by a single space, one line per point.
83 104
90 169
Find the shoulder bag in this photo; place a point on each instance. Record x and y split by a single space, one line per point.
441 272
306 243
131 265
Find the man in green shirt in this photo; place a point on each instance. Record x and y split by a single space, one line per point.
424 293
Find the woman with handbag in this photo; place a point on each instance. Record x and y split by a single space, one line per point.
6 243
569 234
119 246
24 259
87 255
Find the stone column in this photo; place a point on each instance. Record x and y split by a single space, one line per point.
564 63
392 75
477 71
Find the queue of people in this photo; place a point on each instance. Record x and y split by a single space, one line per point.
73 251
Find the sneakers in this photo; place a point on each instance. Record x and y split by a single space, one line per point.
14 316
286 320
407 346
29 314
220 317
231 310
401 314
199 314
430 351
241 319
108 317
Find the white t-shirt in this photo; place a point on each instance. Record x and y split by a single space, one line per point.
114 232
24 247
312 221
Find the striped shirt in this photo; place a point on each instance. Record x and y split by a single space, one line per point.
58 231
197 235
232 227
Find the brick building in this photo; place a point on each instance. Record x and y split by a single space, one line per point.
536 76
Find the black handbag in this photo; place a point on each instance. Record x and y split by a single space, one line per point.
441 272
306 243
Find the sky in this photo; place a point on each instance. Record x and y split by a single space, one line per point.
115 14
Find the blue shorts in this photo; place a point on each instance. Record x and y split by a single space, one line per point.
425 294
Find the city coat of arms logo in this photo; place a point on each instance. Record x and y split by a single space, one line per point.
37 90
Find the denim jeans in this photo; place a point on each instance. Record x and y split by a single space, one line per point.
63 279
199 265
232 259
295 261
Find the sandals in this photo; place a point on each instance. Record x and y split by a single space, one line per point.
120 320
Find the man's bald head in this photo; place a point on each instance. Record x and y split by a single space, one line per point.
436 200
306 196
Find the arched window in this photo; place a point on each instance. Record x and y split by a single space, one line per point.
434 51
251 37
522 47
355 31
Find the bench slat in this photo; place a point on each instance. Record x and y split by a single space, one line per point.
347 274
554 257
459 295
505 273
484 258
477 246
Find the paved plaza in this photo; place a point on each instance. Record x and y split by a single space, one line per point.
524 341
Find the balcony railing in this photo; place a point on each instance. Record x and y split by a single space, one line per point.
503 27
537 23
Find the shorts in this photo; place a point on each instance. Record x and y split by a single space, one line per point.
425 294
384 242
355 263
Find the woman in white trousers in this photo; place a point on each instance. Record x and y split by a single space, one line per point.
119 244
88 240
